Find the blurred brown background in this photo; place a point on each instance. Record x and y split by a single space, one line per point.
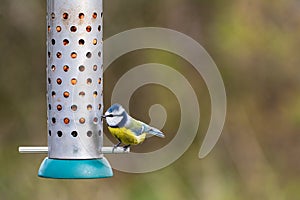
256 47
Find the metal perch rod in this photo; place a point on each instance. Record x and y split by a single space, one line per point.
104 150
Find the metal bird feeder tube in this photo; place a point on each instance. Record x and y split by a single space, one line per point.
74 73
74 90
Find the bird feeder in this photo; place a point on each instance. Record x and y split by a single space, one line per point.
74 92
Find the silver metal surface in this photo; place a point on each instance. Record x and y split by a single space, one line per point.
41 150
33 149
74 78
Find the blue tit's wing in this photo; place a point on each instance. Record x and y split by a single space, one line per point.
135 126
153 131
138 128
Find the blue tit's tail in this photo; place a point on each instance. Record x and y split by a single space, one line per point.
156 132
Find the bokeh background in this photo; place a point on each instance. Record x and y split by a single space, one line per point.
256 47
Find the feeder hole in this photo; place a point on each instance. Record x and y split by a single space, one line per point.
73 81
49 54
95 120
52 15
53 68
73 28
53 42
89 107
59 81
49 106
82 94
74 107
49 133
53 94
49 80
66 120
95 94
88 54
99 28
81 42
94 15
65 42
99 107
58 55
99 53
65 15
99 81
66 68
53 120
81 15
58 28
59 133
59 107
94 41
73 55
49 28
89 133
99 132
81 68
89 81
66 94
88 28
74 133
82 120
95 67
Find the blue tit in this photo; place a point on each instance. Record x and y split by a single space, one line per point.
126 129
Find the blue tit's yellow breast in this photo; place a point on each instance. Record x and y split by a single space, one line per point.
126 136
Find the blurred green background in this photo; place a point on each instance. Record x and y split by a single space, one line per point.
256 47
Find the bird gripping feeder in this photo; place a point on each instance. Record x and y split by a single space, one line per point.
74 92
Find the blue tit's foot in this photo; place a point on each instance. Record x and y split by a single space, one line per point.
116 146
126 147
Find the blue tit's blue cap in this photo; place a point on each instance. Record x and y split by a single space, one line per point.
114 107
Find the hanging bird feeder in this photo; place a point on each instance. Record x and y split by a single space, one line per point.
74 92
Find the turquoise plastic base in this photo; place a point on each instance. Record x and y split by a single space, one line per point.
75 169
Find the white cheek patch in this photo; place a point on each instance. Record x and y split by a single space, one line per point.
114 121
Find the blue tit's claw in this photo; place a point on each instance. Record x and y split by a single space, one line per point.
126 147
116 146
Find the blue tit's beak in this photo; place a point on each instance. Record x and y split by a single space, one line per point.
105 116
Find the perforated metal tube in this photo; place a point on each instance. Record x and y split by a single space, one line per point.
74 75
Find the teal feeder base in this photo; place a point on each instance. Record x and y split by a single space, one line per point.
75 169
